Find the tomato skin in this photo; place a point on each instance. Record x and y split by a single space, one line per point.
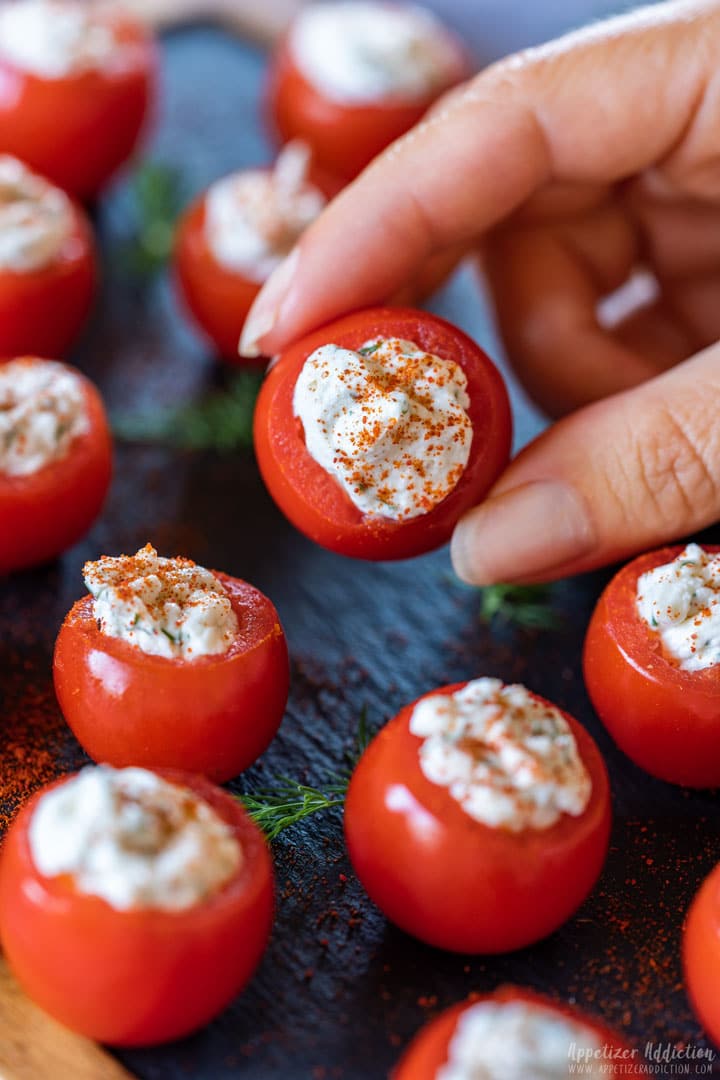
451 881
428 1051
665 719
80 129
344 136
134 978
43 514
42 311
314 501
214 715
218 299
701 954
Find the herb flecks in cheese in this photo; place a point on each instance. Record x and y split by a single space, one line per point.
389 422
42 411
54 39
369 51
510 760
254 218
36 219
517 1040
133 839
681 601
166 607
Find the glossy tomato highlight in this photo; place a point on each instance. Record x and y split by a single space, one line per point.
144 975
45 512
451 880
79 129
314 501
701 954
429 1050
665 719
213 715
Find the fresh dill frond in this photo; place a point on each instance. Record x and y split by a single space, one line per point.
527 606
157 193
221 420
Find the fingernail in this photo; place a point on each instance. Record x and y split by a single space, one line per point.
264 313
523 533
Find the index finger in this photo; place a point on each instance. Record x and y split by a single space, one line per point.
594 107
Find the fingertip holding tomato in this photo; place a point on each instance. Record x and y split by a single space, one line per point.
42 311
430 1049
313 500
140 976
701 954
666 719
44 513
213 715
452 881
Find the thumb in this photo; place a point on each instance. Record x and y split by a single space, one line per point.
625 474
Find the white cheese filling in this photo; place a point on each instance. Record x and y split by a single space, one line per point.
516 1040
368 51
254 218
42 411
510 760
133 839
166 607
36 218
389 422
53 39
681 601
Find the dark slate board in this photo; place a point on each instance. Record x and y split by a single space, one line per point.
339 991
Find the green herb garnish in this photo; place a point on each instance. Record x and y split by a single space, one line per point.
368 350
158 196
528 606
221 420
168 635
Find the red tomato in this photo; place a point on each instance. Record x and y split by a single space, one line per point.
429 1050
218 298
42 311
664 718
701 954
140 976
452 881
344 136
80 129
314 501
214 715
43 514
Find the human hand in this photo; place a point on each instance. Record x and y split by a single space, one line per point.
569 166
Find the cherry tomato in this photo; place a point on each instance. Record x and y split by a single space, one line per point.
143 975
665 719
42 311
46 512
429 1050
313 500
78 130
213 715
452 881
701 954
344 136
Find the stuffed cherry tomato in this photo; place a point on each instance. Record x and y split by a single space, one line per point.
55 460
232 238
478 819
47 265
167 664
515 1034
651 663
351 77
701 954
375 433
133 905
76 83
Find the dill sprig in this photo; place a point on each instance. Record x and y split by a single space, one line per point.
286 801
158 195
527 606
221 420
